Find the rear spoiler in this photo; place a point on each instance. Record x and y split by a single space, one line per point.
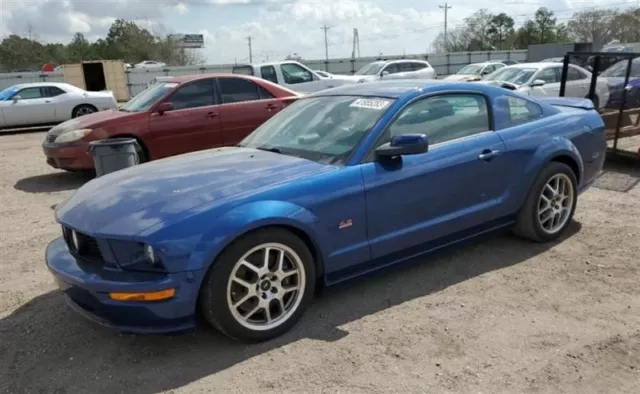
571 102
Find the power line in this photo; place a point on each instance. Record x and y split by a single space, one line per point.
446 8
326 48
518 18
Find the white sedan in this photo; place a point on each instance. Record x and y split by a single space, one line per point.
543 80
150 64
42 103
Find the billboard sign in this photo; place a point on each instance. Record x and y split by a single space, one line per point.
188 40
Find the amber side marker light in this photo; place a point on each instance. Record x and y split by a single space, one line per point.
153 296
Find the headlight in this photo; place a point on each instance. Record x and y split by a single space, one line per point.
150 254
71 136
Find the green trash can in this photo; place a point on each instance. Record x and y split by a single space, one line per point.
114 154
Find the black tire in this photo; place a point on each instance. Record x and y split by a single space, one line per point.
83 109
213 293
527 224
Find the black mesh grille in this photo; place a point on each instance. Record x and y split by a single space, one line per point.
86 246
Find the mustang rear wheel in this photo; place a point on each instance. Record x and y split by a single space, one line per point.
550 206
260 285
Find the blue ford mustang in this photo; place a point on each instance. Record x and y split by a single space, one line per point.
340 183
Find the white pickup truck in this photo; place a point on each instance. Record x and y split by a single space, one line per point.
293 75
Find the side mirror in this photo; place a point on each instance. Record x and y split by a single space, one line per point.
404 144
164 107
485 72
384 73
16 98
537 82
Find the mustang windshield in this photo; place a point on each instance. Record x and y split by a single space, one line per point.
8 92
322 129
515 75
371 69
148 97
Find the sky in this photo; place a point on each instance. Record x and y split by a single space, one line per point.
277 27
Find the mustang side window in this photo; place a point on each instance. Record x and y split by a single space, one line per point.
193 95
522 110
444 117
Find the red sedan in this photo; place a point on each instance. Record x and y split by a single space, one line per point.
177 115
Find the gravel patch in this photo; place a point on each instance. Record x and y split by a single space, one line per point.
499 315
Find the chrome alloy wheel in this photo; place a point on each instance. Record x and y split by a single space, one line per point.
84 111
266 286
555 203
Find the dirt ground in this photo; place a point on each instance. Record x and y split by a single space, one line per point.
498 316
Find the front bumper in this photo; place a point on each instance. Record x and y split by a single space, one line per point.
73 156
87 285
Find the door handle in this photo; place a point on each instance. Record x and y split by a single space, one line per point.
211 114
47 101
488 154
272 106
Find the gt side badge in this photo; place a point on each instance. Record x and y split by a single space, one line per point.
345 224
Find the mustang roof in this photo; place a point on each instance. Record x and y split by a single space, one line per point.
396 88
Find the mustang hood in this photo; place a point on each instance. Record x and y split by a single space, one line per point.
126 202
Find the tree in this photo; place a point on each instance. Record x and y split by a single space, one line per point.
478 26
500 29
79 49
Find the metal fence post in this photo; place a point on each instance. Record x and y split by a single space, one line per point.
129 84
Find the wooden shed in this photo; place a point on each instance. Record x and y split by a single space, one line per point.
98 75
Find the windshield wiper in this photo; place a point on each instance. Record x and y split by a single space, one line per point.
274 149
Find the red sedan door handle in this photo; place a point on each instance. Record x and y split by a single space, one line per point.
272 107
212 114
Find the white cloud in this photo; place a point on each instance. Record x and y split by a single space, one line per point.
278 27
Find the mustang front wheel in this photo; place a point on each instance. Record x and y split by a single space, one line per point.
550 205
259 286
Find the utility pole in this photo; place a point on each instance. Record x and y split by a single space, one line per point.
446 7
250 51
326 48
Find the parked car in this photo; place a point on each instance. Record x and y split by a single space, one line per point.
395 69
46 103
292 75
339 184
171 117
615 76
543 80
150 64
475 71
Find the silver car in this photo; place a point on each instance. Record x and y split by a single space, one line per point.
44 103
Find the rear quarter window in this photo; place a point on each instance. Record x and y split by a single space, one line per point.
522 111
244 70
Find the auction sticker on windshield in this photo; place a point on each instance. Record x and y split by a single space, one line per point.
371 103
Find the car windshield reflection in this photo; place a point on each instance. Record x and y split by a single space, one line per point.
322 129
